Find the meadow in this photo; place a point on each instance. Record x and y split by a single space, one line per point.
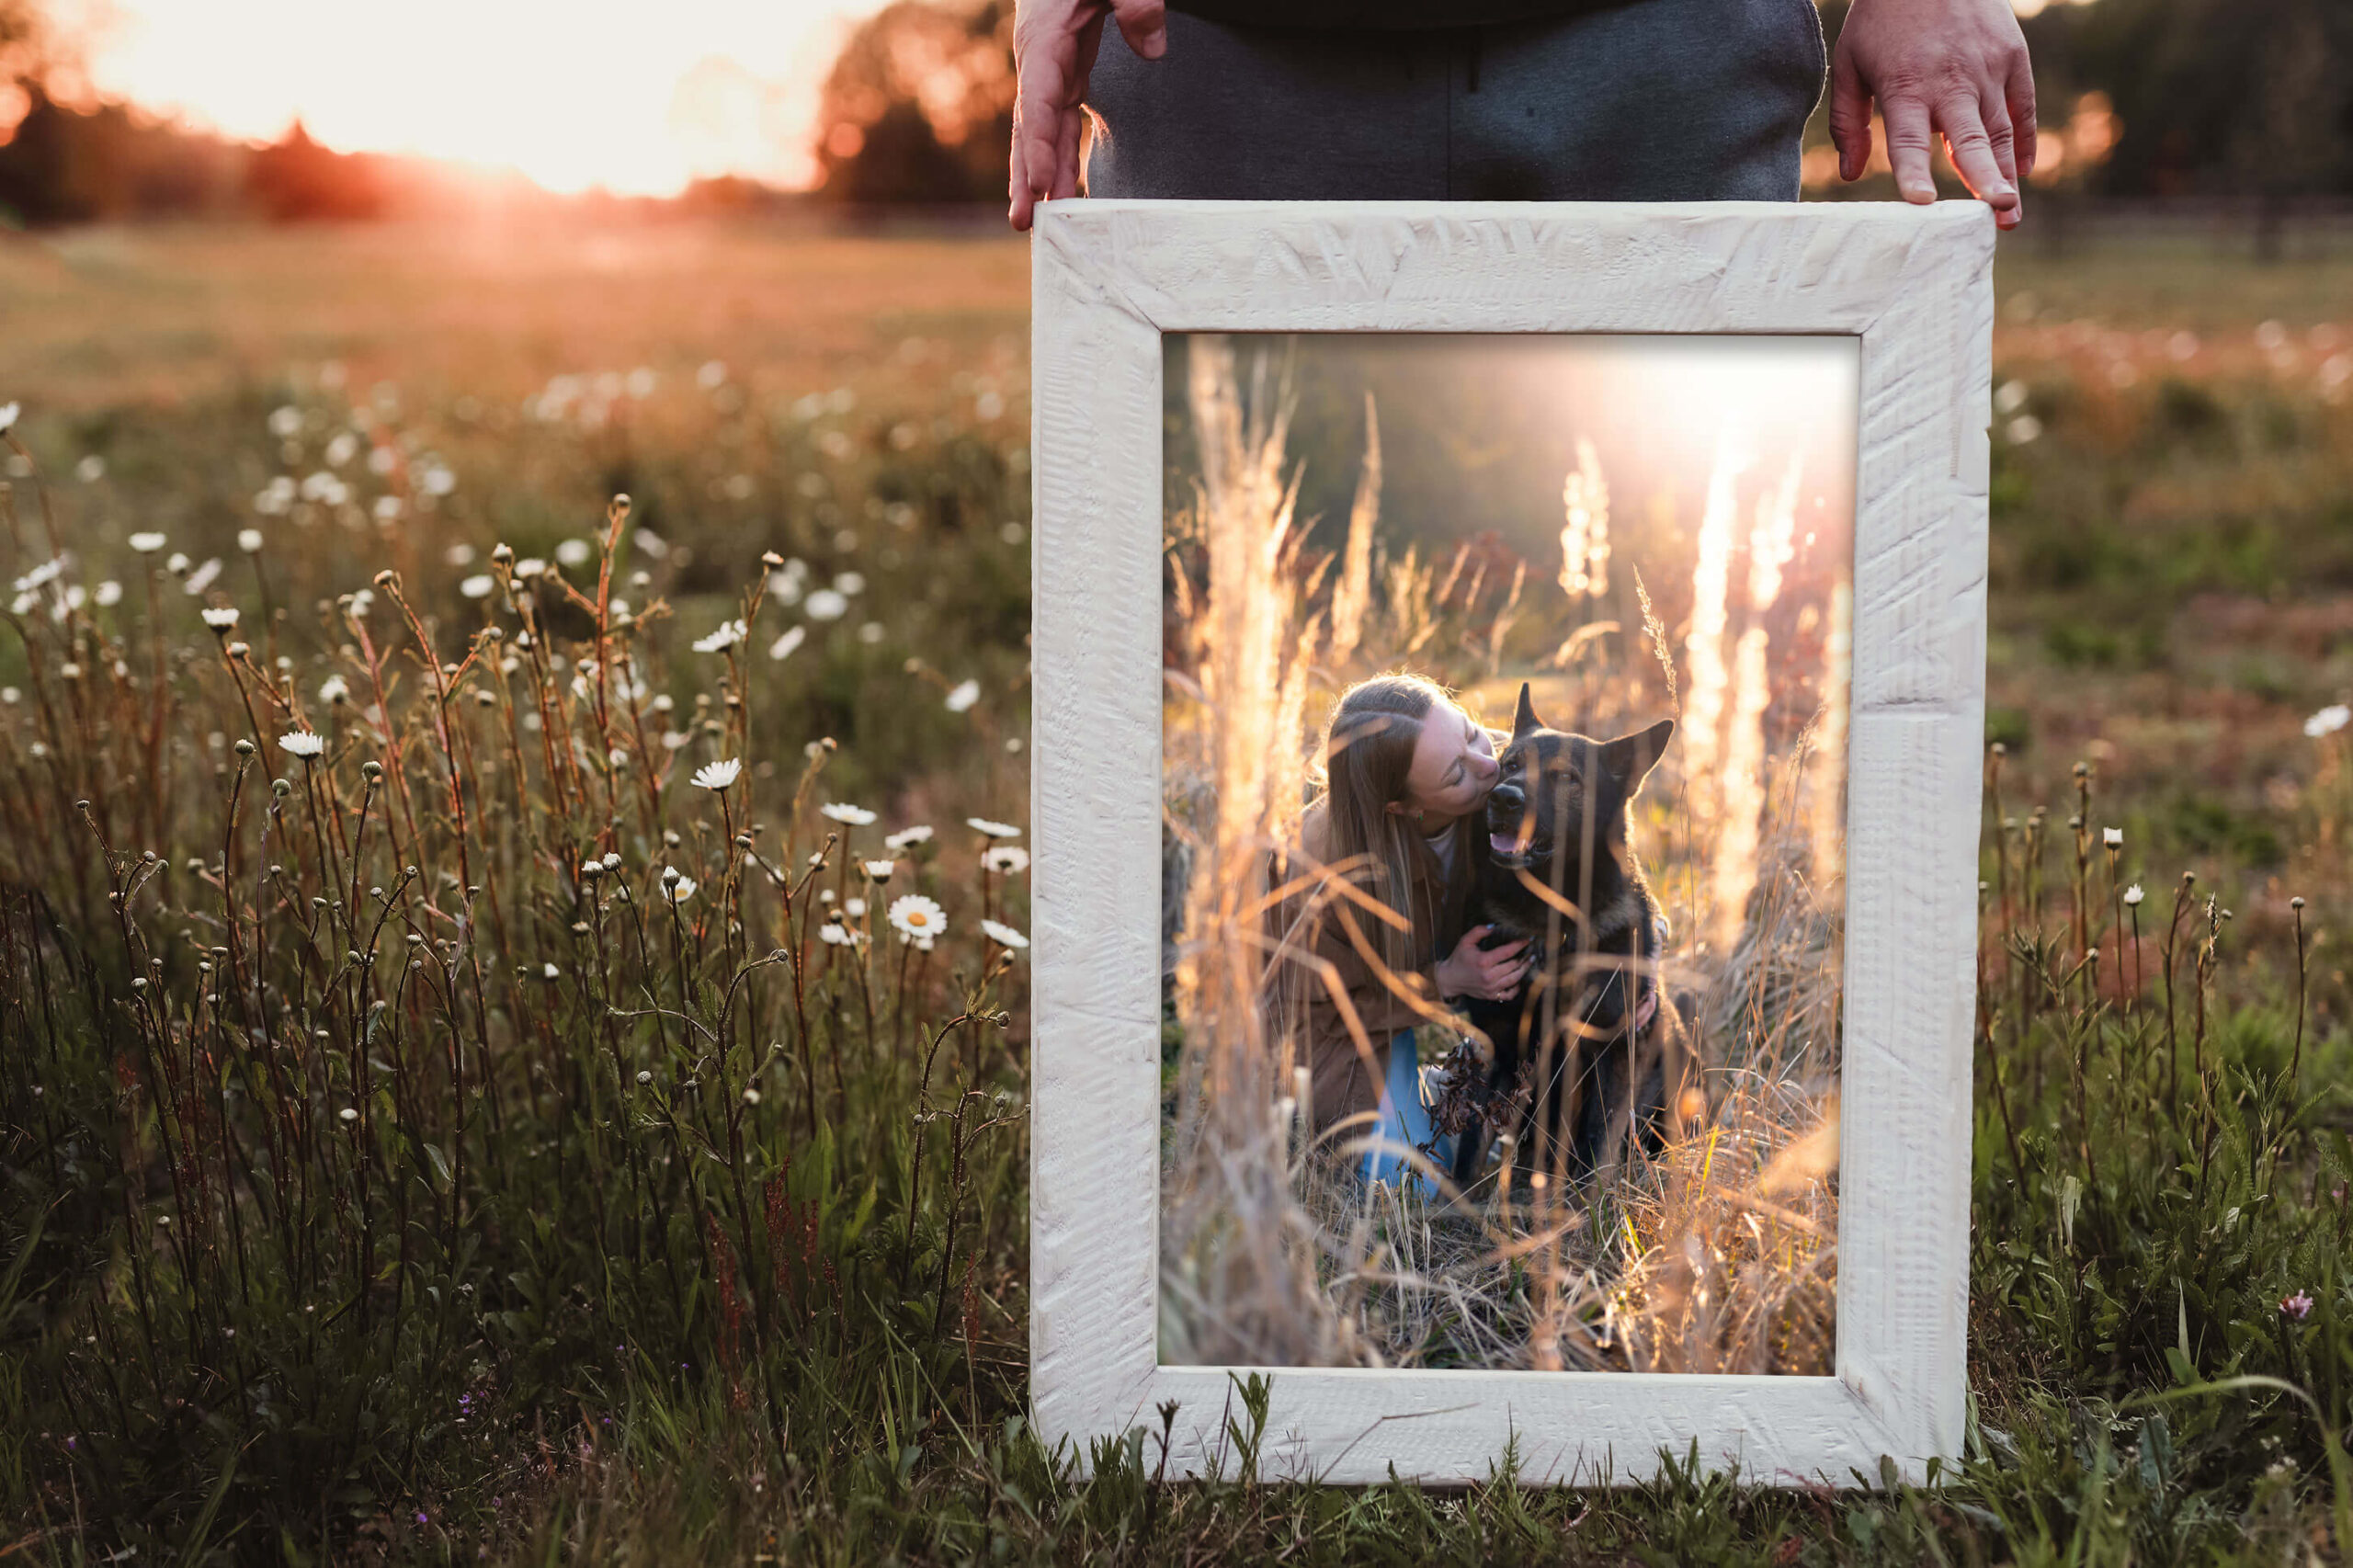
491 1068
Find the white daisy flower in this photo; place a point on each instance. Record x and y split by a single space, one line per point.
729 634
2134 895
719 775
302 743
347 1114
2113 838
826 604
147 543
1004 936
854 908
905 836
680 890
793 637
478 586
8 412
917 918
108 593
220 618
249 541
202 577
335 691
833 935
572 553
530 566
965 694
1005 859
2328 721
879 870
549 972
849 584
843 812
983 826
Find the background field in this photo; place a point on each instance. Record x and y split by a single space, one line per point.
2172 603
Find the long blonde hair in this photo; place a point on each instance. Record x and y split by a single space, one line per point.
1368 753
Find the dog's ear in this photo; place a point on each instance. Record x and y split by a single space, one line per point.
1631 757
1525 719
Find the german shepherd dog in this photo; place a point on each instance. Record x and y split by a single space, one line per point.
1590 1053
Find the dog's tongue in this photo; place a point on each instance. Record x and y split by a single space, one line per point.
1503 842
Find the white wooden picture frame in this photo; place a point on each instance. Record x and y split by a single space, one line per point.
1914 285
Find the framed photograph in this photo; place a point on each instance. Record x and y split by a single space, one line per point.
1509 706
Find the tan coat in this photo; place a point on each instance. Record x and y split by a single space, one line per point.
1345 1064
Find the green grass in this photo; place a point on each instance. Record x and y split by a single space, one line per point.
524 1308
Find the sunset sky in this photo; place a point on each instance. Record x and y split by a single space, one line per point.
637 96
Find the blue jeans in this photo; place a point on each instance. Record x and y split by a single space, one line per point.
1405 1121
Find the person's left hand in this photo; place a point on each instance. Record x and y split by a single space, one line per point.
1957 68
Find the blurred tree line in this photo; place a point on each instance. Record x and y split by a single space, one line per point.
2246 99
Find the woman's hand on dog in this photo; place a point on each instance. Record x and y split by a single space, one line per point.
1491 974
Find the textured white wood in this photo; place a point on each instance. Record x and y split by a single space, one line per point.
1915 283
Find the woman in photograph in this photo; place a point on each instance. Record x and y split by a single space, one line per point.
1402 816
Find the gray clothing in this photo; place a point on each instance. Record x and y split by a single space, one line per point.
1378 14
1657 100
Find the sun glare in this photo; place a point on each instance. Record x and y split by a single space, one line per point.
573 93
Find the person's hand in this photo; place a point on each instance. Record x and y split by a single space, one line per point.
1490 974
1955 68
1054 53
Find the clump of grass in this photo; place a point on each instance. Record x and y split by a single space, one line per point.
424 1049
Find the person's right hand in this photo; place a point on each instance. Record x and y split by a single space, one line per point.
1490 974
1053 52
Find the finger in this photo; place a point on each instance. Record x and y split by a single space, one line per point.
2006 152
2017 91
1067 155
1037 115
1145 24
1972 150
1850 117
1999 131
1017 184
1906 120
1073 121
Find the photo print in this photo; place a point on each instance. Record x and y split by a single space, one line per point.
1504 694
